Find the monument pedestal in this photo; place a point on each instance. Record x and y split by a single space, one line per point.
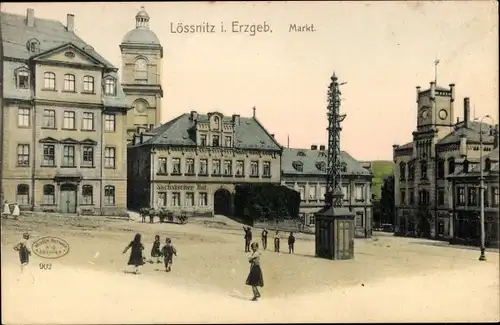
335 233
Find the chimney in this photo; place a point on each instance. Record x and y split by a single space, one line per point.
194 116
314 147
466 111
236 119
452 89
70 23
418 93
30 17
322 147
272 135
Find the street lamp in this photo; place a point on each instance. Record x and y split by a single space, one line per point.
482 257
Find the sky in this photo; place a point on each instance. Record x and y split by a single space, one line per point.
382 50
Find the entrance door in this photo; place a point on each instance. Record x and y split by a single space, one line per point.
68 198
222 202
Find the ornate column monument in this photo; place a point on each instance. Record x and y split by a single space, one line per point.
334 223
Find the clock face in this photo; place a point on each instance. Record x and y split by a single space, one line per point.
443 114
140 106
424 113
141 64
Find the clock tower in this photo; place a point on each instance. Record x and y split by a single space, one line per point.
141 70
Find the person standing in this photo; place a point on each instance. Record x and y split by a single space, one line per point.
248 238
277 241
24 252
155 250
136 253
168 252
6 210
264 238
255 278
16 211
291 243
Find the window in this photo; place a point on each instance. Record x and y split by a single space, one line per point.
203 140
487 165
23 117
312 192
240 168
266 169
23 155
345 192
302 191
88 156
69 120
461 196
215 167
189 166
49 118
254 169
360 220
49 197
423 169
88 121
472 196
402 171
323 193
176 166
162 165
69 82
466 166
227 141
423 197
215 141
33 45
109 157
203 199
494 196
228 167
23 194
176 199
109 87
109 195
49 81
23 79
49 155
411 196
298 166
360 192
68 156
109 122
411 171
162 199
403 197
451 166
189 199
440 169
88 84
312 220
321 166
441 196
343 167
141 69
87 195
203 166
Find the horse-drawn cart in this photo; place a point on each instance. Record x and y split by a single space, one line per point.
163 215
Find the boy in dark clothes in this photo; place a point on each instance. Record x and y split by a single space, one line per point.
291 242
264 238
248 238
168 252
277 242
24 251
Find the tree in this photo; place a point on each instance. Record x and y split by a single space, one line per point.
386 205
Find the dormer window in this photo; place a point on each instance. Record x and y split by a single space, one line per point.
298 166
215 141
301 154
110 86
487 165
343 167
203 140
321 166
22 78
33 45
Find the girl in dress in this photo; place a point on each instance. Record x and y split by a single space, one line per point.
255 278
6 210
155 251
136 254
168 251
16 211
24 252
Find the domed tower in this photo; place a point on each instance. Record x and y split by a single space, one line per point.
142 56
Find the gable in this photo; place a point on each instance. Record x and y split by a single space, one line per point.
69 54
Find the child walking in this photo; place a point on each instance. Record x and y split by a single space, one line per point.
136 254
168 252
277 242
255 278
24 252
155 251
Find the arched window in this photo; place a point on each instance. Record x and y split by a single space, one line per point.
49 194
298 166
141 69
109 195
22 78
320 165
411 170
23 194
451 166
88 84
402 171
33 45
69 82
440 168
49 80
88 195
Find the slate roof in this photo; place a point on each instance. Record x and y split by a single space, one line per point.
471 132
50 34
249 134
408 145
311 158
475 171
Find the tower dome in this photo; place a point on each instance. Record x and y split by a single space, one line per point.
141 34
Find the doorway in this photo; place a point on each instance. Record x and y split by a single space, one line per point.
68 198
223 202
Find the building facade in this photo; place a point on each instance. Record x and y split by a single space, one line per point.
439 147
141 70
465 201
193 162
304 170
64 116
